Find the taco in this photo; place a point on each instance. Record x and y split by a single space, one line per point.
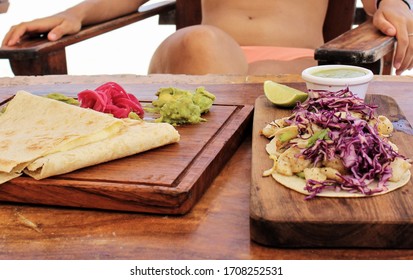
335 145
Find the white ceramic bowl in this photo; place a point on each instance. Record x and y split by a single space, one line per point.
338 77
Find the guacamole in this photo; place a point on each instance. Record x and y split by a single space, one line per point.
178 106
203 99
61 97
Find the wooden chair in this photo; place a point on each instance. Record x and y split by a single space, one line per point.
360 46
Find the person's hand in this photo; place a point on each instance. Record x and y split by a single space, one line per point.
56 26
394 18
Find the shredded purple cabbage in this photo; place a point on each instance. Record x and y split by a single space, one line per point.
363 152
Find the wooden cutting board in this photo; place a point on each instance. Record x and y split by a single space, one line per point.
166 180
280 217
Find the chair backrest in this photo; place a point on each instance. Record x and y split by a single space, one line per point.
339 19
188 12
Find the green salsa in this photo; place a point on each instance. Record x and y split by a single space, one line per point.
339 73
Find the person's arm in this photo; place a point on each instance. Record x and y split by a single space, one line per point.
71 20
394 18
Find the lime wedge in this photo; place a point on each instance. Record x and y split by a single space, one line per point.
282 95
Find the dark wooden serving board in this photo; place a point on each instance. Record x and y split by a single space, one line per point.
166 180
280 217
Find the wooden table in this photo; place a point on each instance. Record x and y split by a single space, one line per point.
216 228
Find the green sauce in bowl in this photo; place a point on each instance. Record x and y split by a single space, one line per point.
339 73
338 77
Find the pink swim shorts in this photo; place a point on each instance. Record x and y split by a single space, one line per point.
258 53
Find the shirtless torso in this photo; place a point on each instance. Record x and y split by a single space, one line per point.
236 36
216 46
292 23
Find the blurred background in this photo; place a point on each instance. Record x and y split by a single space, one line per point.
117 54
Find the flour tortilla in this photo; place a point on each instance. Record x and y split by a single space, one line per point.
136 137
298 184
34 126
44 137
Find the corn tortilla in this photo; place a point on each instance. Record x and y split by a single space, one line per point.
298 184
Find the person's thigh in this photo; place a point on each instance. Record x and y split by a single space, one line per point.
198 50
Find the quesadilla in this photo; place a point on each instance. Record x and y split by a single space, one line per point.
135 137
334 145
44 137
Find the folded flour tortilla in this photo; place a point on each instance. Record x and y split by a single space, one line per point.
38 136
136 137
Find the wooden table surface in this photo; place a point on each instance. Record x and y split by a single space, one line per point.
216 228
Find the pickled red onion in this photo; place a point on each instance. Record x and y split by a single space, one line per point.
111 98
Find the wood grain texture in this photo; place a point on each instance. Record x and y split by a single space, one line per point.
364 45
281 217
167 180
217 227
